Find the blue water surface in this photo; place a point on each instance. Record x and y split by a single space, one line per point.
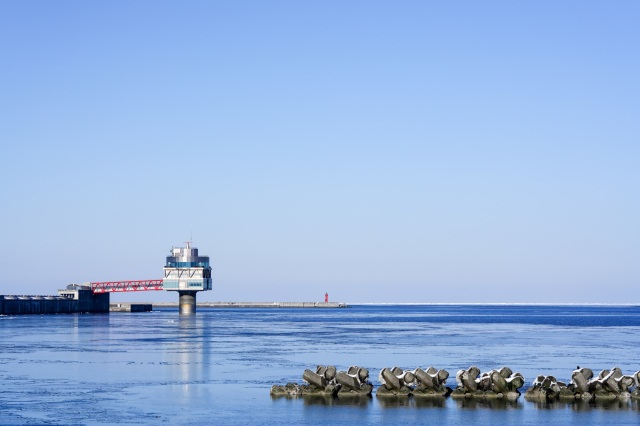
218 366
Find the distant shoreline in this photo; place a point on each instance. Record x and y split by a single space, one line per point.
312 305
349 304
490 304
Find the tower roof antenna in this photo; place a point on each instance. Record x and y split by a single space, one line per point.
188 243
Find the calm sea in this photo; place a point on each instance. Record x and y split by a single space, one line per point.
217 366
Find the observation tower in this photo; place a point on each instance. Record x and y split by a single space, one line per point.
187 273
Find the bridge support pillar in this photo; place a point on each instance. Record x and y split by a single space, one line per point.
187 302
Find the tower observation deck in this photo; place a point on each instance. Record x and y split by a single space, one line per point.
187 273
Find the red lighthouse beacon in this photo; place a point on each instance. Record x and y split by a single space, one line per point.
326 297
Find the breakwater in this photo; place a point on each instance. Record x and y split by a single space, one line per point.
328 381
502 383
257 305
609 385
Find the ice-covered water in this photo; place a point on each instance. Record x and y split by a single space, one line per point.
217 366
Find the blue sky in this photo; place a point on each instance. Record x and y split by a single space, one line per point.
379 151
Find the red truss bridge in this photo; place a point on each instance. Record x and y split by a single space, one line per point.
120 286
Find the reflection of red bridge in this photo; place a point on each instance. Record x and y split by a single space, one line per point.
119 286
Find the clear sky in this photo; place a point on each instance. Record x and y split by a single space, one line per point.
400 151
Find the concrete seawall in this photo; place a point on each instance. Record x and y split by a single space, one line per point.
205 305
130 307
80 301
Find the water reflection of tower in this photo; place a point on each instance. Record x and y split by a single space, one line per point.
188 356
187 273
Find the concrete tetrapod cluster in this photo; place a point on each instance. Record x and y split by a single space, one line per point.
608 386
327 381
424 383
495 384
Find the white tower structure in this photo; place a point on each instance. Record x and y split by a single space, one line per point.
187 273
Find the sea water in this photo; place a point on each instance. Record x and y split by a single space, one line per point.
217 366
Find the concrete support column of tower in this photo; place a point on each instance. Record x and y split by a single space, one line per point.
187 302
